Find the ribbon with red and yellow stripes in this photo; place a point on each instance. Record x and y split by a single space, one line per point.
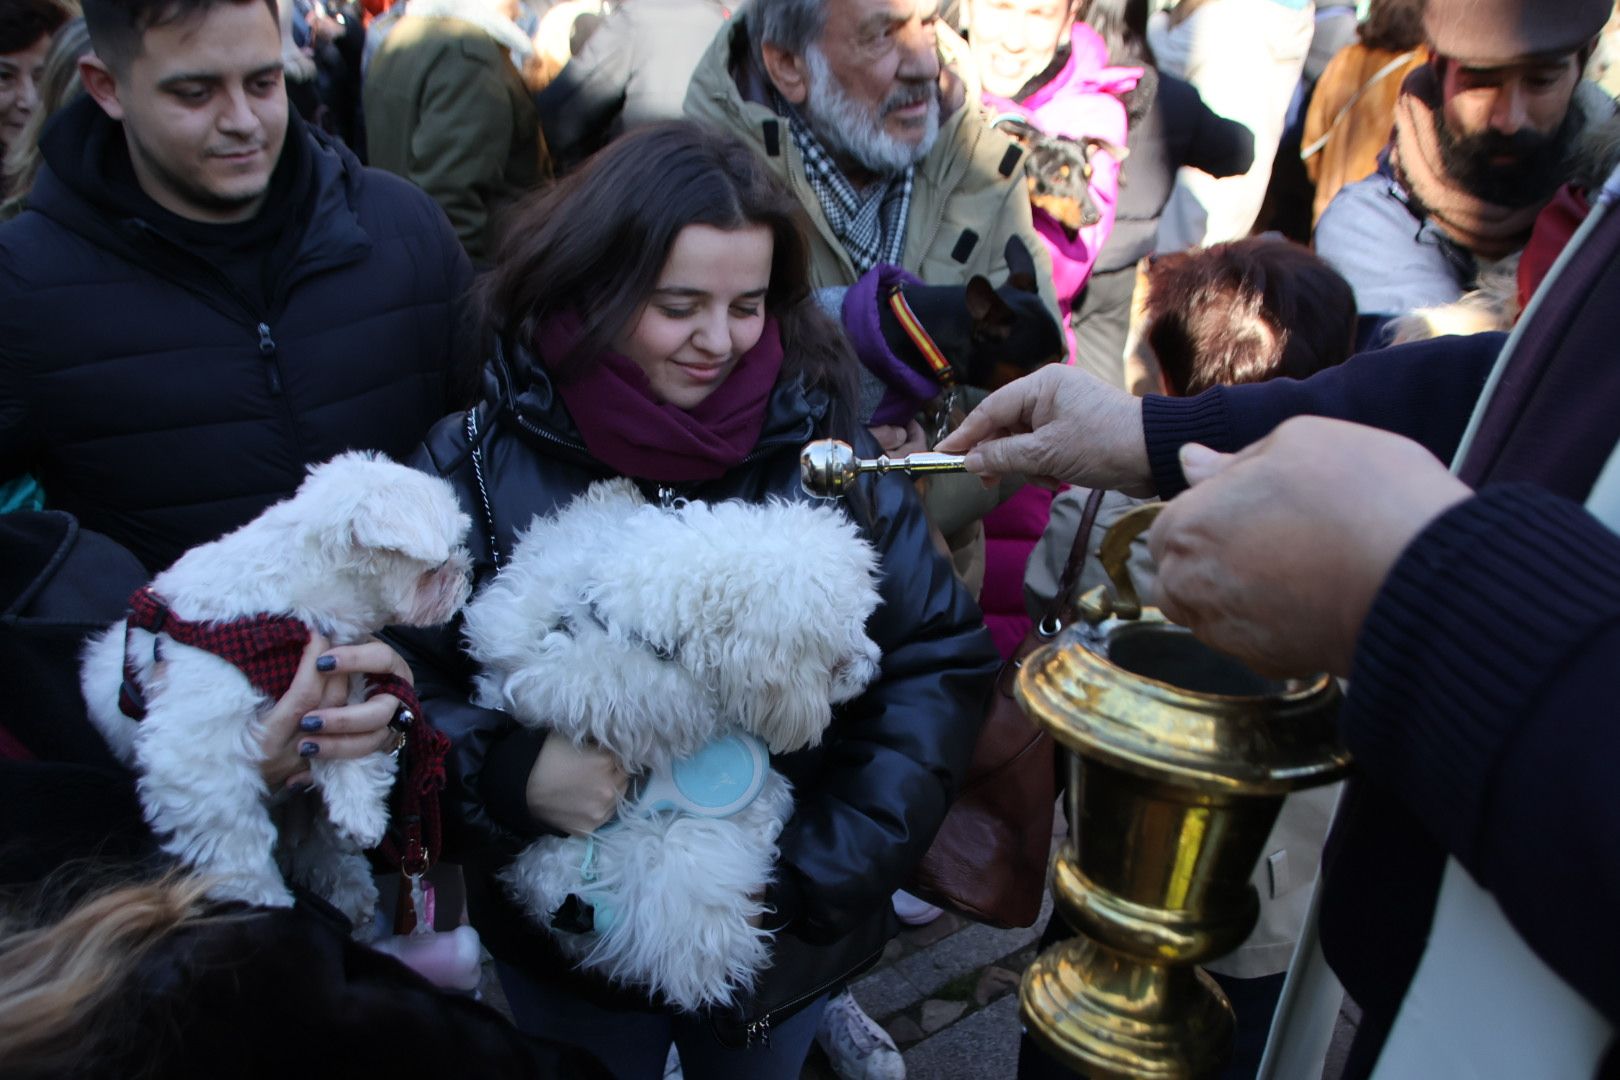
920 338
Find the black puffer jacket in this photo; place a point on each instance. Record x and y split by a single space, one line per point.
160 404
869 798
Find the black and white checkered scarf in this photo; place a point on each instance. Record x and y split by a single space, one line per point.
871 228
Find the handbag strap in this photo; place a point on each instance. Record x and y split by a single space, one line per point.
1060 610
1361 91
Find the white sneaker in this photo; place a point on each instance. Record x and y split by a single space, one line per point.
857 1048
913 911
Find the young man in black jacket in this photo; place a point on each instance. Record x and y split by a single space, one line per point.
205 295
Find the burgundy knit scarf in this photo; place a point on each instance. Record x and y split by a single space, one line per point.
637 436
1486 229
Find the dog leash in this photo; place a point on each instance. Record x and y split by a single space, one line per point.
944 372
415 835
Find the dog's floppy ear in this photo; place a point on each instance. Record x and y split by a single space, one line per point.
383 521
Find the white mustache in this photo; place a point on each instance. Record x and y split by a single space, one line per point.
910 95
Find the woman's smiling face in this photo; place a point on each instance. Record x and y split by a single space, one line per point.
706 310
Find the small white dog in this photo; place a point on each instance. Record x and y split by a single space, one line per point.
364 543
660 634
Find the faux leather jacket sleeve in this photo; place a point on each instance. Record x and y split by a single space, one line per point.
491 755
894 757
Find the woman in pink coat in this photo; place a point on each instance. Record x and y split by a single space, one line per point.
1072 94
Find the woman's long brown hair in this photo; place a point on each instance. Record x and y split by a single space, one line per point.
595 242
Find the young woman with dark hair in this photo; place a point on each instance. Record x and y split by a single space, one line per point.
650 317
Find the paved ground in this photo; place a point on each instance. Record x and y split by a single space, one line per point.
948 994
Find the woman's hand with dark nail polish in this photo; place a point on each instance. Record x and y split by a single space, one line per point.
310 723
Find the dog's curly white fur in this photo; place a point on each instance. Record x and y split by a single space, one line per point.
364 543
650 632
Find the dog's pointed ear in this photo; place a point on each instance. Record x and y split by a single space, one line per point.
992 315
1020 266
980 297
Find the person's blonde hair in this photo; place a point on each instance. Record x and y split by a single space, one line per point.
57 979
58 85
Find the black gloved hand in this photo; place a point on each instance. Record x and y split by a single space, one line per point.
990 336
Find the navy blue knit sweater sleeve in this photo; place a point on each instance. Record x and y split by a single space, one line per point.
1482 695
1425 391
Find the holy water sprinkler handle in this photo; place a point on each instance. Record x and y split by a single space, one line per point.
827 467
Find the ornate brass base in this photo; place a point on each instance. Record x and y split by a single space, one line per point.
1118 1018
1183 761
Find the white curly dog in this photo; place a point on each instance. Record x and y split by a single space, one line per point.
660 634
364 543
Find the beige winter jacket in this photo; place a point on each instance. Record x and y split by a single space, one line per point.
968 197
969 194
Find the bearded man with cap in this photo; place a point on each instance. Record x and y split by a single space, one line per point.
1483 138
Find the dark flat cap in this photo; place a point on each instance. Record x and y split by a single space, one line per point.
1497 32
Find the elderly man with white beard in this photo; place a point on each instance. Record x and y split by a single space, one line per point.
859 106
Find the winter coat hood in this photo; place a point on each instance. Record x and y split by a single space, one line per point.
87 186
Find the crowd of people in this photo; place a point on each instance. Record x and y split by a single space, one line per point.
1275 261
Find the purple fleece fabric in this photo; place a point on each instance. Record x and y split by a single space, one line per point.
908 388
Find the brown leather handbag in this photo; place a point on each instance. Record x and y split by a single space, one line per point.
988 860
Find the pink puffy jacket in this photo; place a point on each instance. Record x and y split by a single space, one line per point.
1081 100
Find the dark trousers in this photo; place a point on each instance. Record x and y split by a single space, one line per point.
633 1043
1102 322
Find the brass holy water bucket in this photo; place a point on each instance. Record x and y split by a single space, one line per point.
1181 759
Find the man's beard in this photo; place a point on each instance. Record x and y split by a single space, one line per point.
852 132
1540 162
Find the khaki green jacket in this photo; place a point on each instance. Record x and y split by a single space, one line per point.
447 110
968 197
969 194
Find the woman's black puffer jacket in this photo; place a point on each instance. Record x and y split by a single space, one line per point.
869 798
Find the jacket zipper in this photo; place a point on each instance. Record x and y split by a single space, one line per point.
267 349
535 429
760 1026
266 343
